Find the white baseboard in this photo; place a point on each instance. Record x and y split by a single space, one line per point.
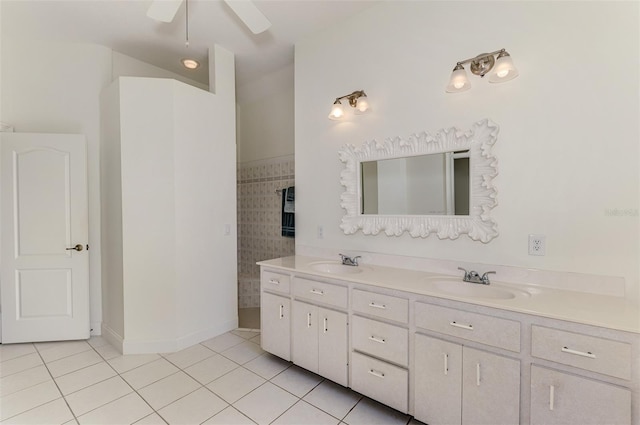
112 337
172 345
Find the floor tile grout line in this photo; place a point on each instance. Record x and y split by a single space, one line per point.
305 394
102 405
130 386
226 373
182 368
21 355
24 370
117 374
295 395
301 400
54 383
135 391
200 384
25 388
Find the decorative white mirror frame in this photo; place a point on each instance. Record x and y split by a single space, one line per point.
483 168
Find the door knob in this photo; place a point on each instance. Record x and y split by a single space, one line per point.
78 247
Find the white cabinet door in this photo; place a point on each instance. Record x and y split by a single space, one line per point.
45 263
560 398
319 341
490 388
438 381
275 319
304 336
332 346
456 384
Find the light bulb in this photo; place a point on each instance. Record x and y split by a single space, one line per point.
337 112
190 63
362 105
504 69
459 81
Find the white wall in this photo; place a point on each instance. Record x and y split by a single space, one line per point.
126 66
111 213
568 146
266 118
50 87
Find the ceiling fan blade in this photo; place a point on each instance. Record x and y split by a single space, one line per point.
250 15
164 10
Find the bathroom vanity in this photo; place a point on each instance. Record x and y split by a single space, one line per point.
450 352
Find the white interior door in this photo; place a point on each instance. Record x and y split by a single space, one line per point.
44 226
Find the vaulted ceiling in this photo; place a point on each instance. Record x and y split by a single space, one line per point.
123 25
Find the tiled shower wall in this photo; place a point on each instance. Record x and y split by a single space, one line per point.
259 221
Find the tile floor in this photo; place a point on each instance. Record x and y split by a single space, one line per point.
225 380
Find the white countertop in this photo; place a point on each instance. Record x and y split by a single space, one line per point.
590 309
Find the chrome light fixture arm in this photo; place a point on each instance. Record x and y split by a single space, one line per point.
357 100
483 63
501 67
352 97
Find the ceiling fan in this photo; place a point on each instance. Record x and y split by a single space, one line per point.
165 11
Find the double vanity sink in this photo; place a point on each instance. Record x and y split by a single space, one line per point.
449 285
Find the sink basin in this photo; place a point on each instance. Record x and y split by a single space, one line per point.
456 287
334 267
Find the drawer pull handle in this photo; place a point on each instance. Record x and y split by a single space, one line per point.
446 363
308 320
274 281
552 391
376 339
380 306
281 311
458 325
326 327
478 374
578 353
317 292
376 373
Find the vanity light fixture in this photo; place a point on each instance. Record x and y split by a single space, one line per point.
500 69
357 99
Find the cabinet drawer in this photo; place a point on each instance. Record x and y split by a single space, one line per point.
381 381
599 355
384 306
381 340
321 292
275 282
497 332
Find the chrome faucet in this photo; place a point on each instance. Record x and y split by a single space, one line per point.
348 261
474 277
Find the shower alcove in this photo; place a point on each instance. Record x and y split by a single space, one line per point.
168 188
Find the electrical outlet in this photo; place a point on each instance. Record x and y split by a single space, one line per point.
320 231
537 245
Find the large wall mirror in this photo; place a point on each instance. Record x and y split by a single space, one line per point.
428 183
